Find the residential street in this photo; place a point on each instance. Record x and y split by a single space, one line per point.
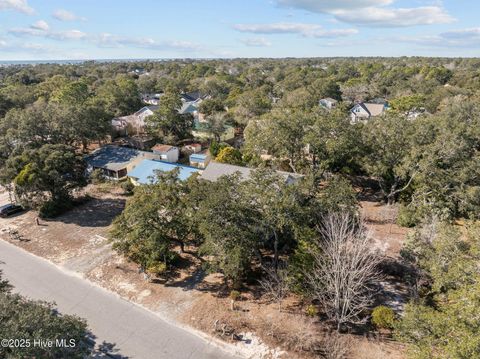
132 331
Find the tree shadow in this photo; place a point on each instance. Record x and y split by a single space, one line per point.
103 349
94 213
195 281
107 350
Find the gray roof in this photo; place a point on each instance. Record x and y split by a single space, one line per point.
215 170
113 157
188 107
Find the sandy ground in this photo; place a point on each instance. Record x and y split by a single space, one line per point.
77 241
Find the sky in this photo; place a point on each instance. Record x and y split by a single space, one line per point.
156 29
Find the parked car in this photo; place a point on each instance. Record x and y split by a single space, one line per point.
9 209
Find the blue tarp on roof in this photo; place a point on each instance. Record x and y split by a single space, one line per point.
145 171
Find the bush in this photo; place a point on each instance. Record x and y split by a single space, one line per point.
230 155
97 176
407 217
216 147
128 186
383 317
235 295
311 311
157 269
53 208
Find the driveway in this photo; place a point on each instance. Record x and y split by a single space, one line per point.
128 330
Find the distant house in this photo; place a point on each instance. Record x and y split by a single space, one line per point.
363 111
193 147
215 170
328 103
166 152
199 160
151 98
115 162
133 124
146 171
191 96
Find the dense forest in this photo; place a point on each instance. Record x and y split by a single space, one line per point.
305 239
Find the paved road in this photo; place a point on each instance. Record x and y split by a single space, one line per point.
135 332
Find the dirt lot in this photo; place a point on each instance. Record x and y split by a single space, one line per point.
77 241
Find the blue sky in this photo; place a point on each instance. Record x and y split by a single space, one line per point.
104 29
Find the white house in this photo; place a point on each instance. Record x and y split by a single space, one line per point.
363 111
133 124
167 153
328 103
152 98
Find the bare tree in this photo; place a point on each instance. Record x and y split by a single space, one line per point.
345 269
275 283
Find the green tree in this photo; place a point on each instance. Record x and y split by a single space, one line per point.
444 321
30 320
388 156
228 225
47 174
155 221
120 96
167 122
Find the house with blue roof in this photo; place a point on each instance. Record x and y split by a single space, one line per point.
146 171
199 160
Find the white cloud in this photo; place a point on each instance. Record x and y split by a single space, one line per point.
64 15
40 25
37 31
329 5
467 38
256 42
385 17
306 30
110 40
373 12
16 5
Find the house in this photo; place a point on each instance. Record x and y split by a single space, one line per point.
328 103
166 152
146 171
115 162
151 98
193 147
132 124
215 170
199 160
191 96
364 111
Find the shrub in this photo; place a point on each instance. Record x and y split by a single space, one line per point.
229 155
407 217
383 317
235 295
157 269
97 176
216 147
311 311
53 208
128 186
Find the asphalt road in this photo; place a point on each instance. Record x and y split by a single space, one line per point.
132 331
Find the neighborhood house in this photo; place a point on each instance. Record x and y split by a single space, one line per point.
132 124
115 162
363 111
166 152
328 103
215 170
199 160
